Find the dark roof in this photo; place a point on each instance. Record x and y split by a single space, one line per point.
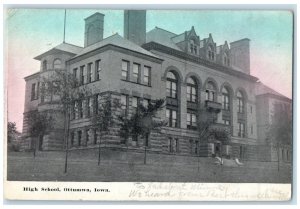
65 47
118 41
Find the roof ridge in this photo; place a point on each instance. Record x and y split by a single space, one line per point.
71 44
164 30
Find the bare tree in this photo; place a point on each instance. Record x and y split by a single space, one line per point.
63 88
103 117
40 123
280 131
143 122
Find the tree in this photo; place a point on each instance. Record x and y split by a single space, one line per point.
11 131
63 88
143 122
40 123
103 117
280 130
12 135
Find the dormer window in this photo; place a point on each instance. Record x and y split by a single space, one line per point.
211 53
193 47
226 60
57 64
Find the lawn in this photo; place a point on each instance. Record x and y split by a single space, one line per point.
122 166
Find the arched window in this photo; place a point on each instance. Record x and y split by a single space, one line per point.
211 53
44 65
225 98
171 85
191 90
57 64
210 91
240 100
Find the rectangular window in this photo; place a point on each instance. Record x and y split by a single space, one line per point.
76 110
240 105
97 70
136 73
125 70
177 145
146 102
170 145
96 103
87 136
75 73
135 101
226 122
225 102
82 75
95 136
72 138
79 133
251 129
191 120
171 116
80 109
89 73
89 106
124 104
147 75
241 132
73 111
33 91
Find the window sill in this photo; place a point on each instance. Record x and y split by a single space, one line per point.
136 83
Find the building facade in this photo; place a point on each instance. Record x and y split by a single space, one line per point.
200 81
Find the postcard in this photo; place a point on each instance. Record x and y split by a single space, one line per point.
148 105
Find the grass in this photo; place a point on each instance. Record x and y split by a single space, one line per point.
122 166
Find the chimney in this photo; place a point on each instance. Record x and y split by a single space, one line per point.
94 26
135 26
240 55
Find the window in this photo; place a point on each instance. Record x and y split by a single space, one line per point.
124 104
79 133
82 75
171 116
43 92
72 138
241 132
191 120
96 103
89 106
211 53
170 144
44 65
75 73
136 73
125 69
34 90
191 90
251 109
57 64
177 145
147 75
240 100
226 122
87 136
193 47
97 70
80 109
210 91
251 129
225 98
134 102
171 85
146 102
89 73
95 136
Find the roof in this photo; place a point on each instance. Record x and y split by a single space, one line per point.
162 36
179 38
65 47
263 89
119 41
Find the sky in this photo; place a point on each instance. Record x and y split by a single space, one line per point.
30 32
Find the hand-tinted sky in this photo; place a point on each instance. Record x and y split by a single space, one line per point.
30 32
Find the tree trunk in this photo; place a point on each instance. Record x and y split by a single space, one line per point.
278 157
99 154
66 136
